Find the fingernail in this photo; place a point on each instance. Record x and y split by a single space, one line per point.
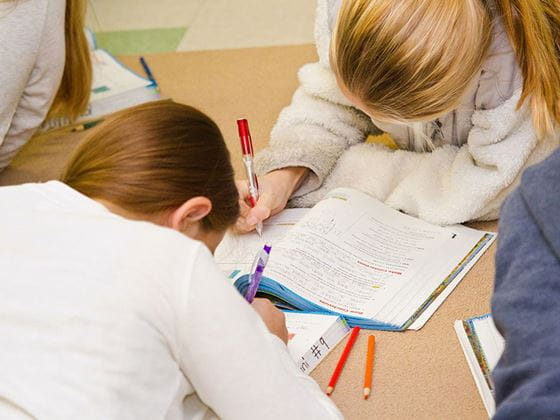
252 220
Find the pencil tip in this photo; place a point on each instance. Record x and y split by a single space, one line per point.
367 392
330 389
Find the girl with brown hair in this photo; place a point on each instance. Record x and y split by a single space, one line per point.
468 90
45 67
112 306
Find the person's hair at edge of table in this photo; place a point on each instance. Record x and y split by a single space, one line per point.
151 159
432 49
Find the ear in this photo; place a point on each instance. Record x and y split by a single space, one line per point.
186 218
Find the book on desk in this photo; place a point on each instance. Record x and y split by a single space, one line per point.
114 87
353 256
312 336
482 345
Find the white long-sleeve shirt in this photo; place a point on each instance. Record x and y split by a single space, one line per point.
102 317
32 59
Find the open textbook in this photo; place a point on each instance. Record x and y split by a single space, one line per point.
354 256
236 252
114 87
483 345
312 336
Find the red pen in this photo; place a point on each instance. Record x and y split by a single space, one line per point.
248 154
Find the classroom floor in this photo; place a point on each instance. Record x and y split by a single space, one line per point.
148 26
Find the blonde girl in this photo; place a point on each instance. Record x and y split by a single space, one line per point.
468 90
44 67
112 306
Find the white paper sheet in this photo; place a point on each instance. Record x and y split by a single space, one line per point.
353 254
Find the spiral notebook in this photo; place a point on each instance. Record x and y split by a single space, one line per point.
353 256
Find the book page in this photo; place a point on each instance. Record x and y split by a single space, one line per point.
455 252
436 280
236 252
491 342
111 78
352 254
114 87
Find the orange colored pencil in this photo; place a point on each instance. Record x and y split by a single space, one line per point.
369 366
342 360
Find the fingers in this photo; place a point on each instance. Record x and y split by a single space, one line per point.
274 319
243 189
249 217
259 213
273 198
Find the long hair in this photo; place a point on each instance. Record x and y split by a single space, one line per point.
410 61
533 26
72 97
152 158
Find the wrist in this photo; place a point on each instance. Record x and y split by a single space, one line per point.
291 177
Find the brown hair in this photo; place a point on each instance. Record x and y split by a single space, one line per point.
73 94
152 158
411 60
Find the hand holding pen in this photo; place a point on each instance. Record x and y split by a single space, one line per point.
248 154
275 188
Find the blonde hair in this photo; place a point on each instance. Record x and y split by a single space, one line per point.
533 26
152 158
411 60
73 94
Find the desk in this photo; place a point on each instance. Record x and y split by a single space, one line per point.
418 374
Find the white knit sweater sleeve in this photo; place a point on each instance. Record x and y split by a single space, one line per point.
451 184
320 123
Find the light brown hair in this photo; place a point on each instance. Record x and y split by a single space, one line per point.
73 94
533 26
411 60
152 158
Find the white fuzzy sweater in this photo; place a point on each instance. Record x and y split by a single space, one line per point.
481 148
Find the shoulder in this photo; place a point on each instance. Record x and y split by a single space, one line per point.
540 188
21 20
22 27
534 205
546 174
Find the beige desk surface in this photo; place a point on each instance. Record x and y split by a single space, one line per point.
420 375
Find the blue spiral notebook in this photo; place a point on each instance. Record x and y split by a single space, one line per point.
353 256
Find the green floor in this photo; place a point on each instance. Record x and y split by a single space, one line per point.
140 41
